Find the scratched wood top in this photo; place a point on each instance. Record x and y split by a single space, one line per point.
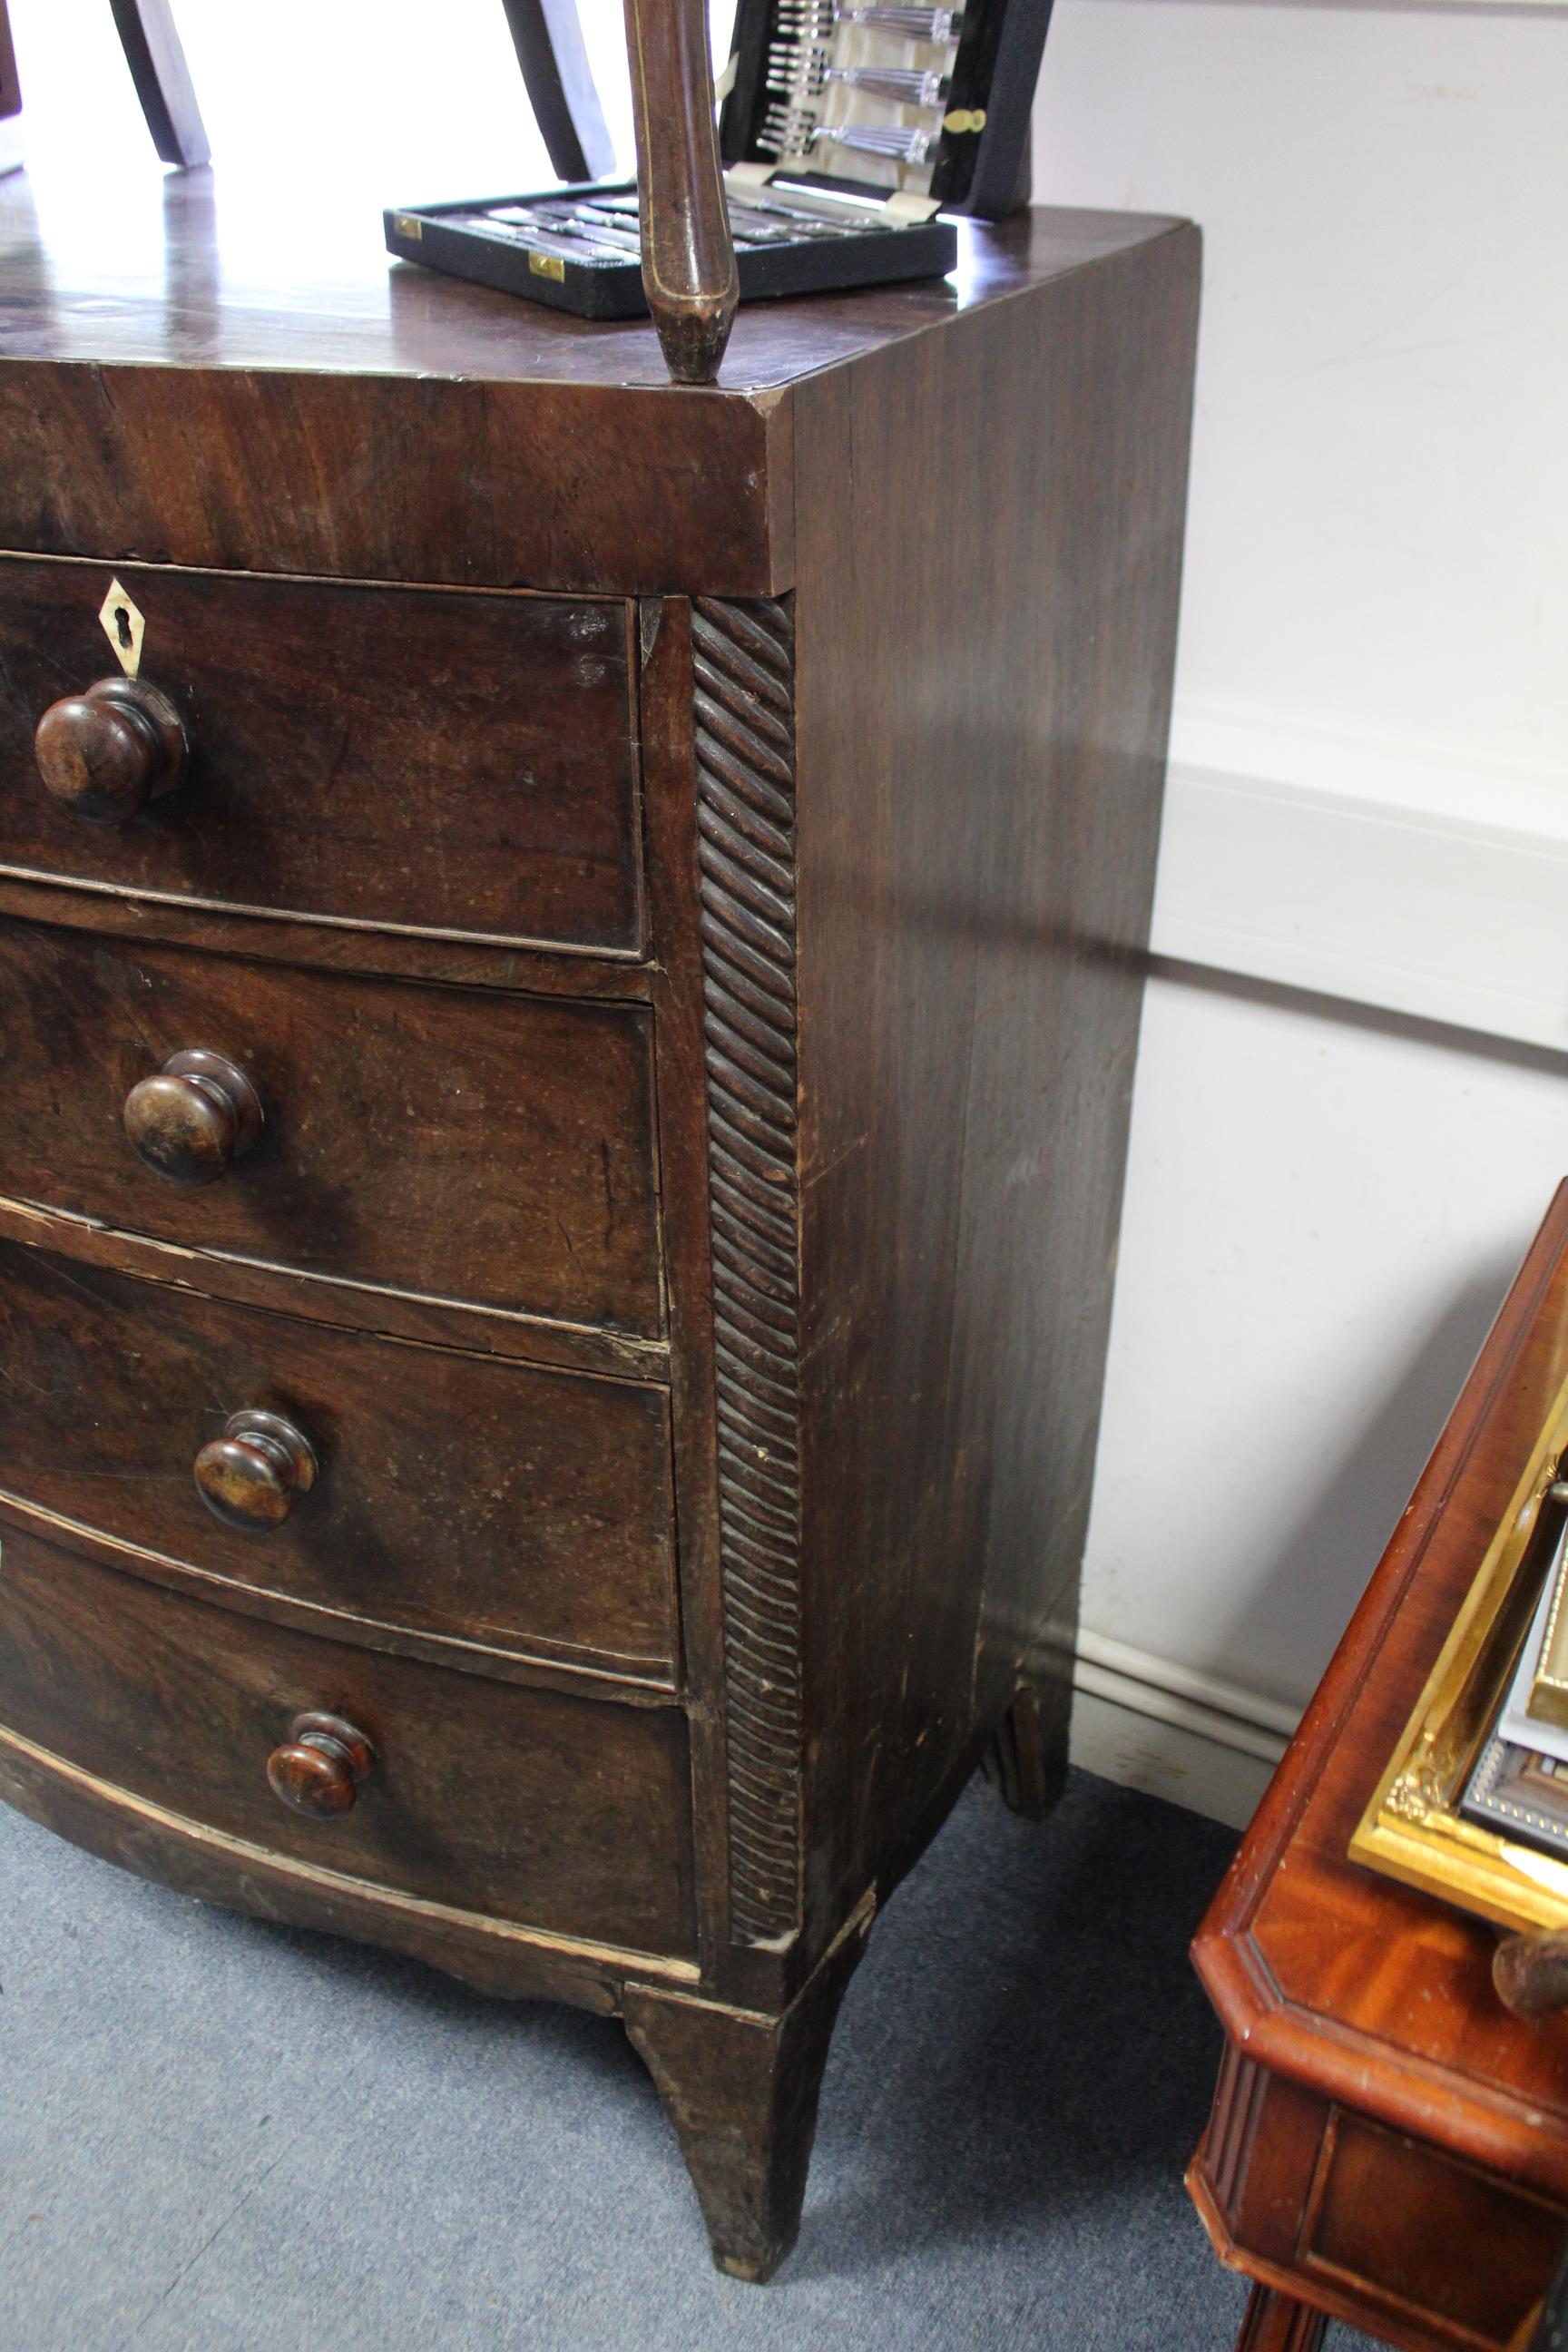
191 390
172 289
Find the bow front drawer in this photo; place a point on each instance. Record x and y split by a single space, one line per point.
442 1143
460 1497
435 759
567 1815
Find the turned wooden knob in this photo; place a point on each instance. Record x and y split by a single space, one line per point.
106 754
249 1476
1530 1972
197 1115
319 1769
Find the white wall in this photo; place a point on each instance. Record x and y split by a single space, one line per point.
1352 1099
319 111
1380 484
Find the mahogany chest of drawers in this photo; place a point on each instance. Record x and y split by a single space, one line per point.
569 955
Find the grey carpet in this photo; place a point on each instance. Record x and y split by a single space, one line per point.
219 2135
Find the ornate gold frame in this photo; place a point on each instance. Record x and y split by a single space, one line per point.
1412 1829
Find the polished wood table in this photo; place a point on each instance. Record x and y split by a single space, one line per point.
1388 2145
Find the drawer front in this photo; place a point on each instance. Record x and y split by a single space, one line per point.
447 1143
556 1813
450 1495
1438 2243
427 759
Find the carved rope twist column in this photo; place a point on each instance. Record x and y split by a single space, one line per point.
743 663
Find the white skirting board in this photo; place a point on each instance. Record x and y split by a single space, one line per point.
1184 1766
1152 1724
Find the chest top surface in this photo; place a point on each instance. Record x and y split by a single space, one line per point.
178 387
193 283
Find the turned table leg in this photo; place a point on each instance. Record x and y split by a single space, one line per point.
1278 2322
742 2090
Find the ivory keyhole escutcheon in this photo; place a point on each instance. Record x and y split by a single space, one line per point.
124 627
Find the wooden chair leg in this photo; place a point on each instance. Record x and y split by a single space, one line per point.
742 2090
162 80
687 253
1278 2322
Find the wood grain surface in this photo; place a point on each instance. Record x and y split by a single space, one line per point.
980 743
742 2091
565 1814
178 403
325 942
680 1046
499 1506
506 1160
435 762
1273 2323
494 1955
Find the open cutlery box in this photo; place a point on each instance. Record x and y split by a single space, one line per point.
850 136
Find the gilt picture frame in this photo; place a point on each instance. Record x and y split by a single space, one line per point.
1413 1829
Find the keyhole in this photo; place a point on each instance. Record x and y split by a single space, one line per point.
122 626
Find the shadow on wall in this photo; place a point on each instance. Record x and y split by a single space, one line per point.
1318 1568
1313 1572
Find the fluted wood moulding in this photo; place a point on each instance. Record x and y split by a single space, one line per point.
743 659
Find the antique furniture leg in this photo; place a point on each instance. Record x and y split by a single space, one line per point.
687 253
1028 1759
1278 2322
548 38
742 2092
